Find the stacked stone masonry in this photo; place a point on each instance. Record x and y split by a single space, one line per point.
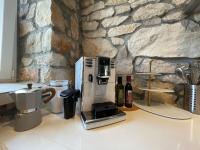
126 29
49 39
121 29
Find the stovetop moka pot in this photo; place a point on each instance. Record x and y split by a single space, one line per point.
28 103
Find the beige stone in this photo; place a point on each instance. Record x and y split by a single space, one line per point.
29 74
167 40
89 25
49 73
173 16
152 21
122 9
25 28
181 2
71 4
75 27
115 2
137 3
26 61
117 41
61 43
31 12
113 21
52 59
151 10
101 14
163 97
123 29
58 21
43 13
95 34
99 5
98 47
33 43
46 40
86 3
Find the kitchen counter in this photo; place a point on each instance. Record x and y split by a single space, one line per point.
141 131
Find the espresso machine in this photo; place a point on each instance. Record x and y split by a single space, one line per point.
95 78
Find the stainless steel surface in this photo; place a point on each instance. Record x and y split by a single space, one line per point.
192 98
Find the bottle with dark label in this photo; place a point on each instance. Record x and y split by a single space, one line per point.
120 93
128 93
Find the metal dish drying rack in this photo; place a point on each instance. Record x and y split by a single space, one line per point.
149 89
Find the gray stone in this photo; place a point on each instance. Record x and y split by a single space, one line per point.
43 13
95 34
71 4
152 21
113 21
123 29
153 10
101 14
89 26
171 79
51 59
173 16
25 28
197 17
23 10
117 41
99 5
98 47
22 2
115 2
122 54
31 12
26 61
137 3
122 9
167 40
33 43
46 40
120 66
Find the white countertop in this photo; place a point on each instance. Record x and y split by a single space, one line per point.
141 131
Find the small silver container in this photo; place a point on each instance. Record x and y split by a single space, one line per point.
192 98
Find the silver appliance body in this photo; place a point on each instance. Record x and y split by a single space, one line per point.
28 110
95 78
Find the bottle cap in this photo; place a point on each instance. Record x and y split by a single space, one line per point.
128 78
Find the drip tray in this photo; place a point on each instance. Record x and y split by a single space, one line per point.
90 123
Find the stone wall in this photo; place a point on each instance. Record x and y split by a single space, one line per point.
160 30
48 39
124 29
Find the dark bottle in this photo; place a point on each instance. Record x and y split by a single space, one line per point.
128 93
120 93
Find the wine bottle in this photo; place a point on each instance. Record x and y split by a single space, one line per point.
128 93
120 93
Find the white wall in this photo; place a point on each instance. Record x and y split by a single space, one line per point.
9 40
